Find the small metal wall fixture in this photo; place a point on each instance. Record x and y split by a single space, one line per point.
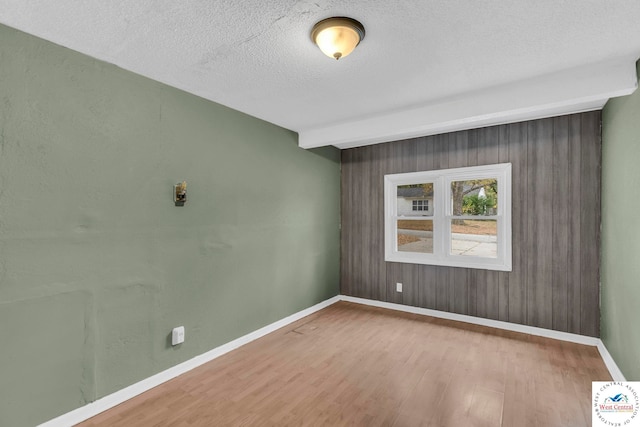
180 193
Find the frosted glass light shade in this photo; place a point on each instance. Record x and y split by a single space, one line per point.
337 37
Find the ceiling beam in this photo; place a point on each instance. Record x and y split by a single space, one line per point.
566 92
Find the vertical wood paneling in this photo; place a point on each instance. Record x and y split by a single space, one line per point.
503 278
442 288
590 224
518 136
395 273
574 262
368 205
391 162
427 278
346 223
411 289
357 230
539 224
408 275
560 222
555 224
376 180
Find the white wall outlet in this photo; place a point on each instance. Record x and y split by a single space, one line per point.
398 287
177 335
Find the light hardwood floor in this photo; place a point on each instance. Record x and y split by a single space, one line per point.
356 365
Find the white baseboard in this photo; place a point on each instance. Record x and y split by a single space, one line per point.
531 330
92 409
615 372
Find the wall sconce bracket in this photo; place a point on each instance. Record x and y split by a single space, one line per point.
180 193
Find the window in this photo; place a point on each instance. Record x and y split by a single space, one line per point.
453 217
420 205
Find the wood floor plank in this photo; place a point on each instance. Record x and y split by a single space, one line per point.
363 366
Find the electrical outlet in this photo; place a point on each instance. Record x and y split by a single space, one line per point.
398 287
177 335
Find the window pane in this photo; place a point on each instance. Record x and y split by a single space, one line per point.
475 237
415 236
415 199
475 197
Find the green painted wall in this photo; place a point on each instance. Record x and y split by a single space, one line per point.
620 299
96 263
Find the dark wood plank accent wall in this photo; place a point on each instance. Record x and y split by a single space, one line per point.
556 224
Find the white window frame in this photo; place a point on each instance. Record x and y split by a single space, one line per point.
443 214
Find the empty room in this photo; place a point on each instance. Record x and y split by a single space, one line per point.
286 213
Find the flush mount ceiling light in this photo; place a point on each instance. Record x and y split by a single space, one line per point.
338 36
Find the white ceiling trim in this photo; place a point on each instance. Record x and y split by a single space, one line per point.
571 91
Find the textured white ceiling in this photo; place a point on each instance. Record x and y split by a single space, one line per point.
256 55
